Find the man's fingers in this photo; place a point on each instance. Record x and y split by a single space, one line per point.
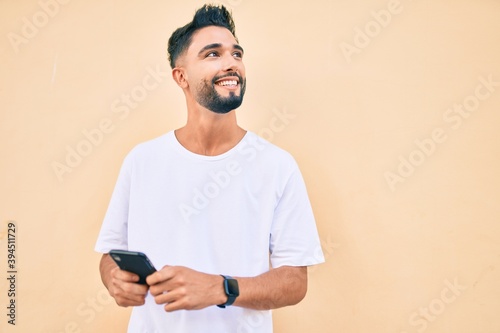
174 300
119 274
134 301
182 288
129 294
160 276
125 290
129 300
131 287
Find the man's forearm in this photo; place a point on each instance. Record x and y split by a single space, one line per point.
277 288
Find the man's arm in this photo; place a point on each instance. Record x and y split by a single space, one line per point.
121 284
183 288
282 286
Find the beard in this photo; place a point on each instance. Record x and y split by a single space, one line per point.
209 98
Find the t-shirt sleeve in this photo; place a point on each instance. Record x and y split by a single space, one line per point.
294 239
113 234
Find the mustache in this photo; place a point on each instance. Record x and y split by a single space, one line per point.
240 79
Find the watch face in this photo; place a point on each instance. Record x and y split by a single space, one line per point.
232 287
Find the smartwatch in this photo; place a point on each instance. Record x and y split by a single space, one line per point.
231 289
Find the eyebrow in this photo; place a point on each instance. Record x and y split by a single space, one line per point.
218 46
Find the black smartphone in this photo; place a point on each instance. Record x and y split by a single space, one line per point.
135 262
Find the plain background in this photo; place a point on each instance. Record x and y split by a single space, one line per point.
410 227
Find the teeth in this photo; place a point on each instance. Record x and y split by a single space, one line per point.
228 83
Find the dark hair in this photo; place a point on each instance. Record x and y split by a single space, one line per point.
208 15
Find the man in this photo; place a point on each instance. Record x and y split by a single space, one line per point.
206 200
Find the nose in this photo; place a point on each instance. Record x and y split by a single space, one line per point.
230 64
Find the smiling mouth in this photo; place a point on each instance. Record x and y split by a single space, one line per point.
227 83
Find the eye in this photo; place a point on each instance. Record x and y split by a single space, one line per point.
211 54
237 54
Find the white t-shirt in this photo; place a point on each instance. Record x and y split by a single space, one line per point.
230 214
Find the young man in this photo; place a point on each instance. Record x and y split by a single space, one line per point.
211 203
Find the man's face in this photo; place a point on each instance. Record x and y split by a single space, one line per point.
215 70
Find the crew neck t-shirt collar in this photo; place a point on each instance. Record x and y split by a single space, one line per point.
175 144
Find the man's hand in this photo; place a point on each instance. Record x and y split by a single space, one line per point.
122 285
125 289
181 288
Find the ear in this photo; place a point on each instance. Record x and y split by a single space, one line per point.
179 76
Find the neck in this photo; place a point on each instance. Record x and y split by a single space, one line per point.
208 133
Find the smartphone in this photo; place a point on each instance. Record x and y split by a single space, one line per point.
135 262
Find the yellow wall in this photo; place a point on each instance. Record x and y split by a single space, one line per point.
404 180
